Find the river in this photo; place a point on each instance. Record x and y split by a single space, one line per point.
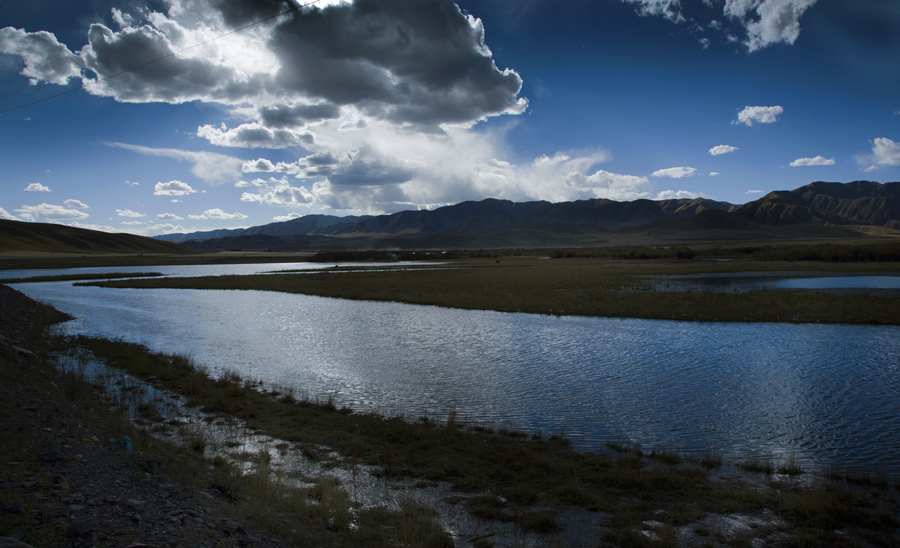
827 394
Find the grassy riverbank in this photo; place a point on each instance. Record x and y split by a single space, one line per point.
608 287
532 484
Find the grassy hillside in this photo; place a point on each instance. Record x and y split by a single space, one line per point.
16 236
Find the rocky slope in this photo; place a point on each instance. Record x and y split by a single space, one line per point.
856 203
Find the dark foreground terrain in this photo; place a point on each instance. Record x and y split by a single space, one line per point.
64 483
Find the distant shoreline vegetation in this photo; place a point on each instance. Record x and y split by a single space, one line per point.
605 287
888 251
79 277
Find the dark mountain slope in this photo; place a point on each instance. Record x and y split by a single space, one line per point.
308 224
818 210
45 237
856 203
718 225
579 217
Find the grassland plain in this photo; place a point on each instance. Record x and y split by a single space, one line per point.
609 287
645 498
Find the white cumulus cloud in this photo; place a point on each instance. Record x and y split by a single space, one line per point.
677 195
168 217
279 192
129 214
886 151
36 187
172 188
768 21
816 161
49 213
675 172
8 216
46 60
217 213
718 150
762 115
765 22
76 204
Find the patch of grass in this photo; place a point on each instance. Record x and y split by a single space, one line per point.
540 521
711 460
790 467
666 455
757 464
586 287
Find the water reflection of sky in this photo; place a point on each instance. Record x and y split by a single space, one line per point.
750 281
189 271
827 393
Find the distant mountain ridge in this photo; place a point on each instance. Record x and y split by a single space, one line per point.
307 224
856 203
828 209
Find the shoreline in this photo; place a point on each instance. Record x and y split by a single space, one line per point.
627 488
577 287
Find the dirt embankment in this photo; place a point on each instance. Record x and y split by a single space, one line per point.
63 480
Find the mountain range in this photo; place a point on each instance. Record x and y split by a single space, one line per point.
817 210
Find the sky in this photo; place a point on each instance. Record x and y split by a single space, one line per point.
189 115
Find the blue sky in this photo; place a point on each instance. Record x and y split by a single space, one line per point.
376 106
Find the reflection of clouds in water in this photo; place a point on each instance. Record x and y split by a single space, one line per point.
821 391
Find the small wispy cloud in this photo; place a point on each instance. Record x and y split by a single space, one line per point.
719 150
76 204
217 214
675 172
677 195
212 167
816 161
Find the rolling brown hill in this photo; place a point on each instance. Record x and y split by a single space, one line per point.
18 236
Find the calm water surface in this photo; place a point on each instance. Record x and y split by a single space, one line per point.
752 281
828 393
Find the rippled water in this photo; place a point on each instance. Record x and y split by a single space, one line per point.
830 394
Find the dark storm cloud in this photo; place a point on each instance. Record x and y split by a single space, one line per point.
114 56
280 116
407 61
238 13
